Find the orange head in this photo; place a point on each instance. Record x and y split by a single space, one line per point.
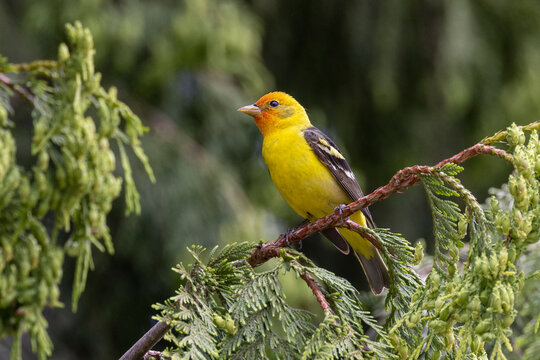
277 110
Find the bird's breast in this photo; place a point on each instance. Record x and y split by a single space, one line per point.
303 181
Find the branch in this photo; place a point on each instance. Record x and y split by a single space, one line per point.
501 135
403 179
148 340
141 349
353 226
317 292
310 281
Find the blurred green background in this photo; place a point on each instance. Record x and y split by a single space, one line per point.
394 83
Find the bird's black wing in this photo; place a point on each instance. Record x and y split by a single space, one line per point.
328 153
335 237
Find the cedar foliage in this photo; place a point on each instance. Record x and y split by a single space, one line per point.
464 309
228 310
70 185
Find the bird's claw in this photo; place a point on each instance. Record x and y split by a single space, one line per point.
340 209
287 239
287 233
290 231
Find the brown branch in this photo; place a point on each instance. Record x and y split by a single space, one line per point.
403 179
317 292
353 226
146 342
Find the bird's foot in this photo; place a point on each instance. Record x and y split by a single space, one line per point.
291 230
287 233
340 209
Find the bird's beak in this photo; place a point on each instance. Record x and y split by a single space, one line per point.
252 110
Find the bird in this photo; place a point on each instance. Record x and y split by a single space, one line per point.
313 176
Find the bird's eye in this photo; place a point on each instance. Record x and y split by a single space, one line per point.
274 103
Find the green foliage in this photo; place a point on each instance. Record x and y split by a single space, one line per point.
526 338
70 185
227 310
186 83
156 40
464 310
468 305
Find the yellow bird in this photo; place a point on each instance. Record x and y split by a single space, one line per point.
313 176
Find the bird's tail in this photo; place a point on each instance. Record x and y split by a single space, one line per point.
376 271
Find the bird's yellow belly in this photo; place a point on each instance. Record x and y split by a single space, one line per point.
307 185
303 181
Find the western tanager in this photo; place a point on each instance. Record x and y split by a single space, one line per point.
313 176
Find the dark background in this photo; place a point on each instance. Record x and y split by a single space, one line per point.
394 83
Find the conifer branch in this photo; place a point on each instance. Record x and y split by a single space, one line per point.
317 292
501 135
402 180
142 347
71 181
380 238
353 226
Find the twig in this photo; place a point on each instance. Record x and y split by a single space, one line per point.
142 347
353 226
403 179
317 292
146 342
501 135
